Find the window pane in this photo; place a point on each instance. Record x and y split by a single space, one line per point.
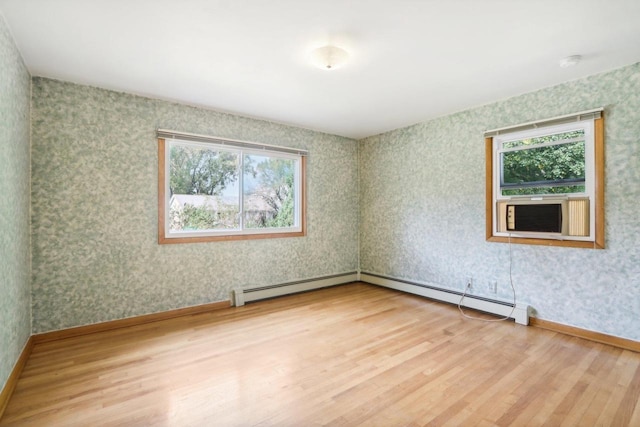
544 170
269 196
203 185
564 136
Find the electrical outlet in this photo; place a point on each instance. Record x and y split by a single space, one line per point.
493 286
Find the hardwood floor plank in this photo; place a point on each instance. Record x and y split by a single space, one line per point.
625 397
554 389
522 366
344 356
601 384
565 398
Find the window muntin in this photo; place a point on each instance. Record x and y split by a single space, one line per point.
217 191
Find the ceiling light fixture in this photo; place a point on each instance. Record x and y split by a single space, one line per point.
329 57
570 61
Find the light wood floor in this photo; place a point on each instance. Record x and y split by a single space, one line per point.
348 355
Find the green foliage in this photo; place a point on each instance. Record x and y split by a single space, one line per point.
285 214
199 218
276 177
544 170
204 218
196 170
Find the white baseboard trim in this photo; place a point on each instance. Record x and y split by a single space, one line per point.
499 308
244 295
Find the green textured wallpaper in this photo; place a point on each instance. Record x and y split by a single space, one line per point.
94 201
15 299
423 209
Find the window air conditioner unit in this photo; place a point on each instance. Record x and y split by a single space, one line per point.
544 215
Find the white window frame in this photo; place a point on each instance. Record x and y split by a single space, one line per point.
585 125
166 235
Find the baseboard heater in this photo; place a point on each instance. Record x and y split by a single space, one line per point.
243 295
499 308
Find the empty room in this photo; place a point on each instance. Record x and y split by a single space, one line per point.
296 213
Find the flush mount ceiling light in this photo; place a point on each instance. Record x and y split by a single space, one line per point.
329 57
570 61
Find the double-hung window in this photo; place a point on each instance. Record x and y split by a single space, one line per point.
545 182
218 189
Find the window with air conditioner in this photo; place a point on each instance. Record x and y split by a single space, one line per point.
545 182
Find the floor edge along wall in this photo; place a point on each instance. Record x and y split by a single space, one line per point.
14 376
520 313
242 295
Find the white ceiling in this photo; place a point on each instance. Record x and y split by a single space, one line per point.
411 60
